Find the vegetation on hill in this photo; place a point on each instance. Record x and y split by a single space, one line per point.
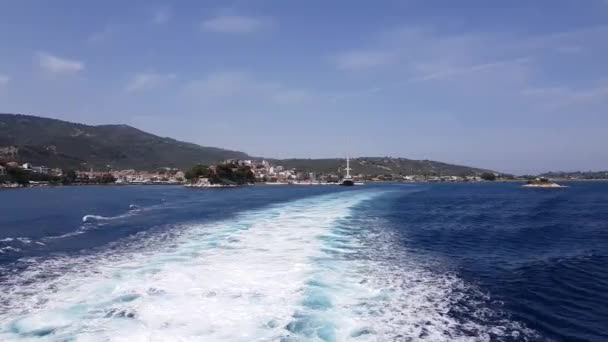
228 173
576 175
488 176
62 144
22 177
380 166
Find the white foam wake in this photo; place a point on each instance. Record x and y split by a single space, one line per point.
237 280
308 270
368 287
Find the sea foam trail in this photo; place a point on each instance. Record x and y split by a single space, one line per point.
314 269
237 280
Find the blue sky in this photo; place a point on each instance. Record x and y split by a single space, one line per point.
516 86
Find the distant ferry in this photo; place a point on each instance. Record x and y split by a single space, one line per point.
348 179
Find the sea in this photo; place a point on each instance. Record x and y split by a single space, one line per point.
378 262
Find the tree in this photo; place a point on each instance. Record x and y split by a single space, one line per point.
223 174
488 176
196 172
106 179
17 175
69 176
244 175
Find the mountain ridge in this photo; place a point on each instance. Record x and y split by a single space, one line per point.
380 166
59 143
65 144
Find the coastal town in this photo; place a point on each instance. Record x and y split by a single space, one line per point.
13 175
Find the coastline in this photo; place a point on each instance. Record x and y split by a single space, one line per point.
16 186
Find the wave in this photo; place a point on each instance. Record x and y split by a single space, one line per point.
14 245
91 219
133 208
23 240
94 218
9 249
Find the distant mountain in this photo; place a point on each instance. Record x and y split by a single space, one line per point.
381 166
62 144
576 174
56 143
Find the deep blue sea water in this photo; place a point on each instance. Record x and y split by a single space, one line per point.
386 262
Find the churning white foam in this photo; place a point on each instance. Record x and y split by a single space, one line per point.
300 271
236 280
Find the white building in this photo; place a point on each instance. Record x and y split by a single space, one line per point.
40 169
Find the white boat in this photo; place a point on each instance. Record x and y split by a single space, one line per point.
348 179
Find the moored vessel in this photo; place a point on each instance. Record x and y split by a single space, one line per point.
348 179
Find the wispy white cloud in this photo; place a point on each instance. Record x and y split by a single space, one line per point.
497 64
235 24
569 49
363 59
442 72
4 79
356 94
58 65
101 35
161 15
574 40
429 72
149 80
412 47
230 85
557 97
545 91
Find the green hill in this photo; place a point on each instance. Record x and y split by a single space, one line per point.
380 166
62 144
56 143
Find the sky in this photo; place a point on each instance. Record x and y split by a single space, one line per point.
516 86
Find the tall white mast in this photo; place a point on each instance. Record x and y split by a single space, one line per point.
347 167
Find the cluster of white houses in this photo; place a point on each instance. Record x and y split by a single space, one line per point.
29 167
163 176
263 170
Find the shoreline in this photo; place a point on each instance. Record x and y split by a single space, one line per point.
16 186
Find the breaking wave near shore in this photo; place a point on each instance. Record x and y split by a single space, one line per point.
313 269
